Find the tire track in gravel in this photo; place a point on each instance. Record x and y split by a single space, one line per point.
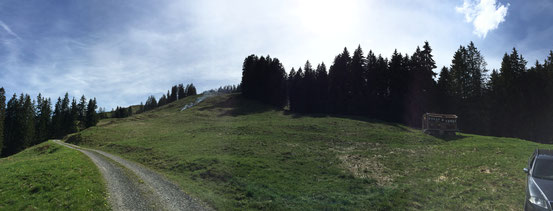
132 186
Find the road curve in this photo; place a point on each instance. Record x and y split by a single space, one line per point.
131 186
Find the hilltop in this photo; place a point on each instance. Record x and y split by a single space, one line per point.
235 153
50 177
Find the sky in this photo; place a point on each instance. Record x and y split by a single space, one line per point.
123 51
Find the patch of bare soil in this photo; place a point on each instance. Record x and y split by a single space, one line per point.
363 167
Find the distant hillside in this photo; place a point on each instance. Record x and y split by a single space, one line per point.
239 154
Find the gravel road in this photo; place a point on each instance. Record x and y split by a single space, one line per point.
132 186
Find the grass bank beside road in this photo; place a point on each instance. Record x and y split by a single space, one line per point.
237 154
50 177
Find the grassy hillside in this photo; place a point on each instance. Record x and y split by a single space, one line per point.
238 154
50 177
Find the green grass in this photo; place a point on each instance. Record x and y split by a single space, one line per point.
238 154
50 177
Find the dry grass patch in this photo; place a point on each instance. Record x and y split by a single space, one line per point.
366 168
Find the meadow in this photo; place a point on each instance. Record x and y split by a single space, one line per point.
51 177
237 154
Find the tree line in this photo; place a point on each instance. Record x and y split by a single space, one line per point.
177 92
227 89
513 101
25 122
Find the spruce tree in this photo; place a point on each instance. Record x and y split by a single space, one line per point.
27 123
43 122
162 101
191 91
91 115
73 116
2 116
321 88
82 111
151 103
358 89
12 132
174 92
57 120
181 92
339 85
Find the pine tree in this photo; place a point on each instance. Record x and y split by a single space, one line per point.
162 101
358 79
191 91
81 107
291 89
299 92
43 120
91 115
57 120
12 133
2 116
73 116
182 92
28 123
321 88
174 92
445 91
339 85
67 118
308 88
151 103
399 78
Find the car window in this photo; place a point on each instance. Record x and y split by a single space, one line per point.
531 163
543 168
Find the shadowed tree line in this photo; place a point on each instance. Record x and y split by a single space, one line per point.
227 89
25 122
177 92
513 101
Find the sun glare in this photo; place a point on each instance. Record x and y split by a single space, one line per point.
320 16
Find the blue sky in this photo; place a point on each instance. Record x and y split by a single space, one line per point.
122 51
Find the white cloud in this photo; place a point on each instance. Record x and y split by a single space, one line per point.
485 15
9 30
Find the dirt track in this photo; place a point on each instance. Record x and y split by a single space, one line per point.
133 187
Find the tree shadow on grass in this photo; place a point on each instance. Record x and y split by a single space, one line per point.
236 105
351 117
454 137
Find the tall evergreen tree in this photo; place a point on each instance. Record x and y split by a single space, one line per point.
12 128
291 89
57 120
467 74
2 116
421 86
308 87
91 115
73 116
162 101
339 85
358 78
399 78
43 119
181 92
67 118
28 122
174 94
191 90
81 107
151 103
321 88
